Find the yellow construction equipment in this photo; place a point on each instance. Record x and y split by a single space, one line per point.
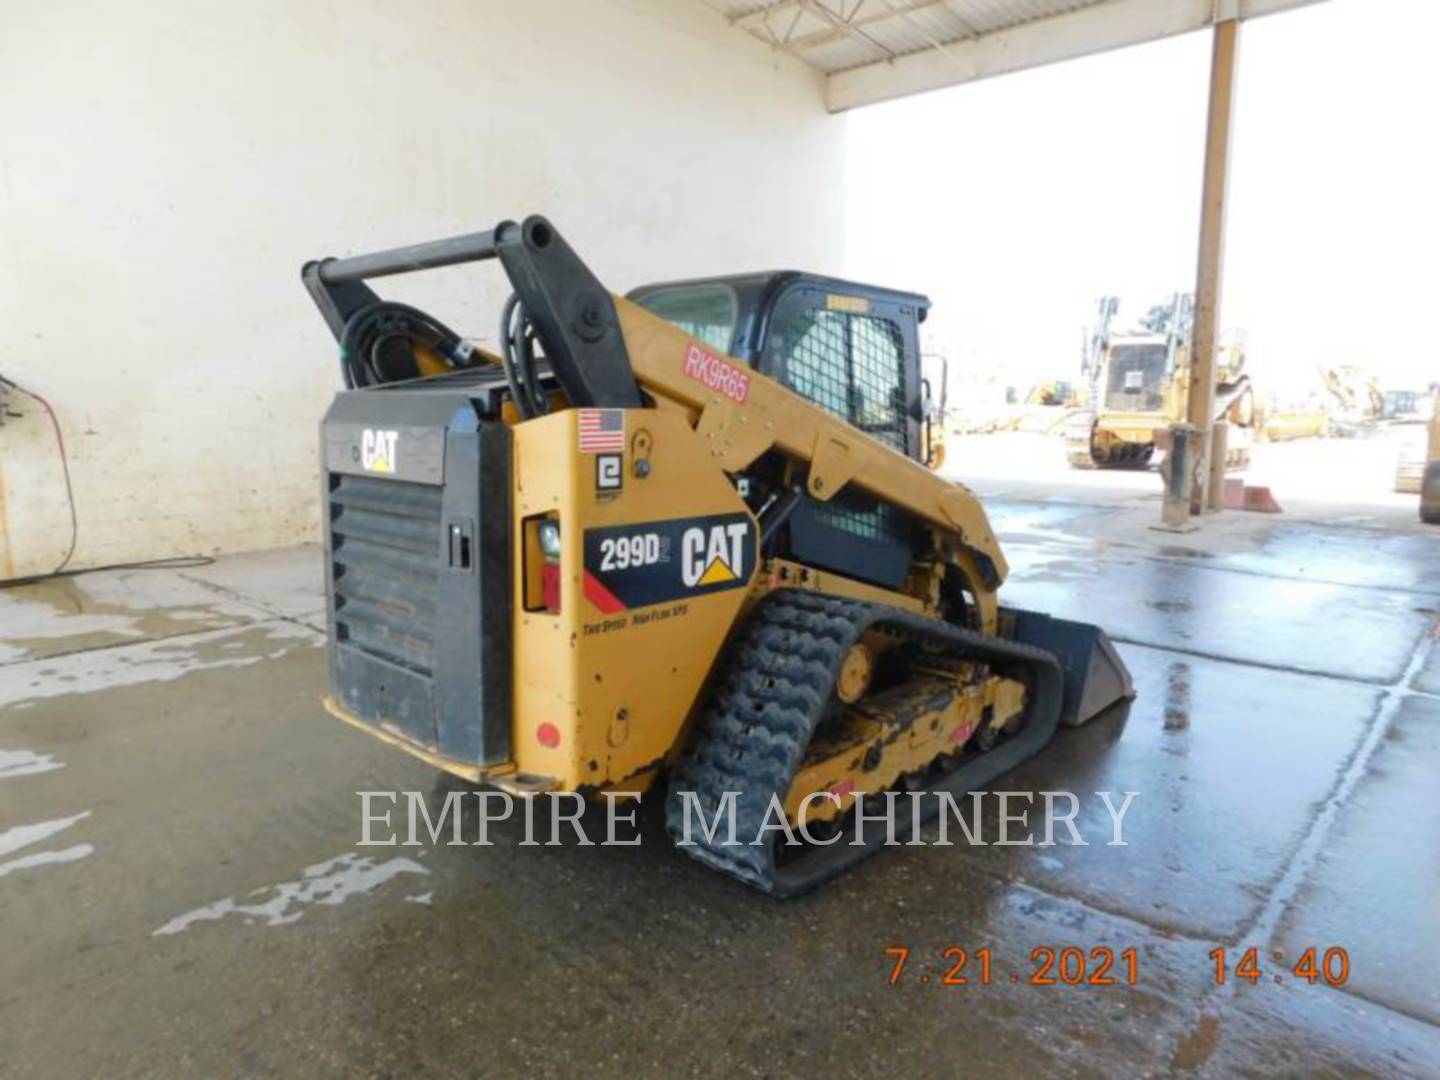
689 534
1292 417
1430 478
1358 396
1138 388
1052 392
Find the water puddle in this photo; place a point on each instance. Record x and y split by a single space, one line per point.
331 883
23 836
15 763
65 615
152 661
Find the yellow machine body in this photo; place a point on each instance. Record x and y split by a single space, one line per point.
602 693
612 533
616 683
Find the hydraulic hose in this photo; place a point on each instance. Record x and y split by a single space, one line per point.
525 365
507 356
517 354
359 343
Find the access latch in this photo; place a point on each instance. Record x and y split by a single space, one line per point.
460 539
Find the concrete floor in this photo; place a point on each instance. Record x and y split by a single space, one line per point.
1323 479
180 891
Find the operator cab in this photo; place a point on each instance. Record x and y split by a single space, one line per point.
852 349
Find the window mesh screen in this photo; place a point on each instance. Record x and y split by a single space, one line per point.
815 362
852 366
877 379
860 515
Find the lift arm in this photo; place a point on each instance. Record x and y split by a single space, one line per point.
573 313
603 349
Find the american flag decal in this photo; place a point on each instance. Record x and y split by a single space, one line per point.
602 431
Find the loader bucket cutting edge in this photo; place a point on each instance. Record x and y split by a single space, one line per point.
1096 678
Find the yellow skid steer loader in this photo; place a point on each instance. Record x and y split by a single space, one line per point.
686 535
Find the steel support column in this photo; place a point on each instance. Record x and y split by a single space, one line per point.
1209 273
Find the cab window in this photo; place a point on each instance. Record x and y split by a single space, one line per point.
707 312
816 366
851 365
878 378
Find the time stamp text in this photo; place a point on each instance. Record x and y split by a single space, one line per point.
1072 965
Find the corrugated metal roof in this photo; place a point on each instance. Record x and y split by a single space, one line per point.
873 50
835 35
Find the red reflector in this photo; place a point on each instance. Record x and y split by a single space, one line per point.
550 586
548 735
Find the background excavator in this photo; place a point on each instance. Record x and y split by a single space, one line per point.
1138 384
688 534
1360 402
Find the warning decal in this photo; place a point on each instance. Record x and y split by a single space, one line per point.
630 566
707 368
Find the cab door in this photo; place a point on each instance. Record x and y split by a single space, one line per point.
854 354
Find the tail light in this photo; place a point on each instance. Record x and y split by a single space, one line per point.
549 537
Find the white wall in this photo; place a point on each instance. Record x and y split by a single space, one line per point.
166 166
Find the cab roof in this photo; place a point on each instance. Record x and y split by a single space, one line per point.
760 288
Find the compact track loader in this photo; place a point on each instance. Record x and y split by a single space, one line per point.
690 535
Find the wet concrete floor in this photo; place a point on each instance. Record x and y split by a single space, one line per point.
180 890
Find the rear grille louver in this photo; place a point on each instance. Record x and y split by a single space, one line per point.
385 545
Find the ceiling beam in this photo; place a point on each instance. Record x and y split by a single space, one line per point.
818 8
880 14
760 15
1111 24
758 23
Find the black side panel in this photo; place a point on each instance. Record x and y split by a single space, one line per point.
497 559
850 540
472 615
417 491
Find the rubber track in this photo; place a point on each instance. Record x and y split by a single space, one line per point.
772 688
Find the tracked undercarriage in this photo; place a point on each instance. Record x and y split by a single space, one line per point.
946 710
